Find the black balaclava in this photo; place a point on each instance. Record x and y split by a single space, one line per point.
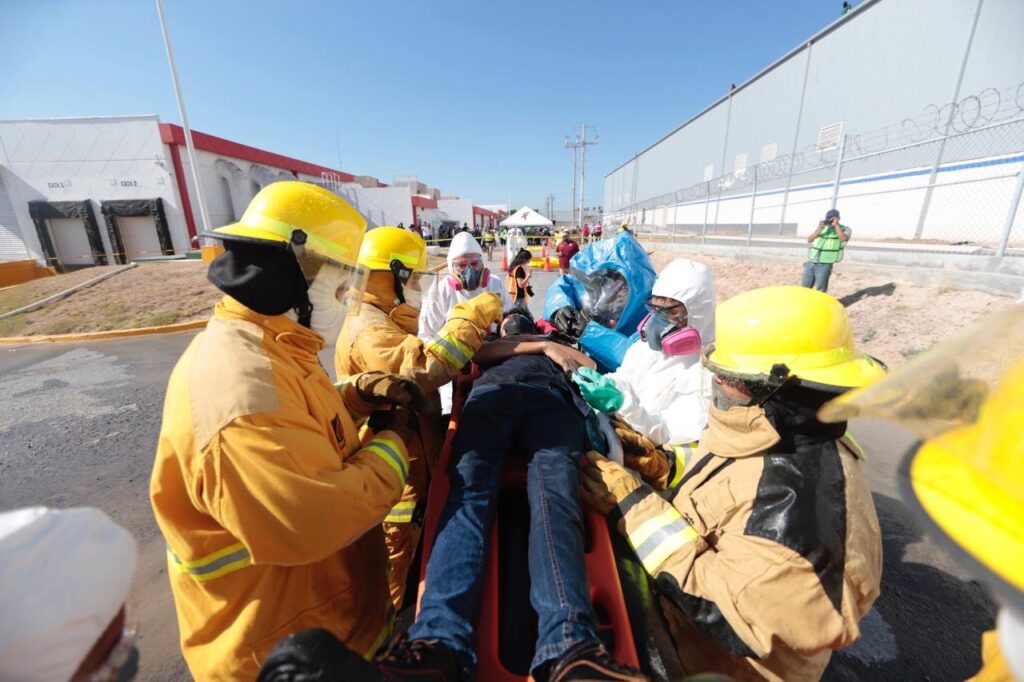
265 279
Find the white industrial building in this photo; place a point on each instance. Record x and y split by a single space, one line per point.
84 191
859 115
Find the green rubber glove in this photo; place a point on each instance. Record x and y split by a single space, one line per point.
598 390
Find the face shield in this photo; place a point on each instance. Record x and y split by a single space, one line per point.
605 295
965 399
335 289
411 285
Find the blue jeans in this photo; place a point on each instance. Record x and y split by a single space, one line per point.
816 275
549 431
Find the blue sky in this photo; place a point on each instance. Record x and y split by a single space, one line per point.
473 97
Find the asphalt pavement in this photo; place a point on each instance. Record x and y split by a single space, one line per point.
79 427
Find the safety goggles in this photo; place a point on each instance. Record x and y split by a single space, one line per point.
460 263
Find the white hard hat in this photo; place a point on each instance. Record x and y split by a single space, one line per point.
64 576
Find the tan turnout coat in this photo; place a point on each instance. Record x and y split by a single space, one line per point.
765 561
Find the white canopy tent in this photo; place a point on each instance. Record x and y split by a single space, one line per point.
526 217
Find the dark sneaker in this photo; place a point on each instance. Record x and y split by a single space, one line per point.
591 662
419 660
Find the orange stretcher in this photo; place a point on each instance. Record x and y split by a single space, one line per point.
507 627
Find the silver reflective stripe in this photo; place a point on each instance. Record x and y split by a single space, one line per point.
455 353
392 454
659 536
213 566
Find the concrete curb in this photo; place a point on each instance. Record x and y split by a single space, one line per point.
98 336
67 292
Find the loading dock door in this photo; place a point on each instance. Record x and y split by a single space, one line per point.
139 236
68 233
71 241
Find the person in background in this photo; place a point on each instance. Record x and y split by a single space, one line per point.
596 232
827 244
625 228
489 239
382 337
465 227
586 234
65 575
566 249
517 283
269 502
660 394
502 236
963 479
769 553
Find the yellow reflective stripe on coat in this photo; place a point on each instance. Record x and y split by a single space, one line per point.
852 443
453 351
683 453
656 538
391 453
401 512
214 565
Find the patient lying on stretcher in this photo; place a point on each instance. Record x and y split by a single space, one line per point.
522 403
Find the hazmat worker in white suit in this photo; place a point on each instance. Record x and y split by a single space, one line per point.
467 277
659 396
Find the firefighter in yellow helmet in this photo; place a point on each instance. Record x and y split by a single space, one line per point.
965 477
383 337
269 505
770 552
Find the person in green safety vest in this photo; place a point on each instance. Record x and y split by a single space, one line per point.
827 244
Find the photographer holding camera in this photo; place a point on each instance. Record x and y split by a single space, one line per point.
827 243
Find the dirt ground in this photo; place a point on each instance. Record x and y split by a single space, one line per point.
892 320
148 295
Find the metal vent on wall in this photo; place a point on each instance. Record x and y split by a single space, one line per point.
828 136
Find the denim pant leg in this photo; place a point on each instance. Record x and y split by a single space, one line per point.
808 277
821 275
552 431
451 597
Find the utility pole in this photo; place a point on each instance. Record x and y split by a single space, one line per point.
583 167
574 145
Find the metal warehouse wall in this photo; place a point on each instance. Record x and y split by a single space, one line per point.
888 61
80 159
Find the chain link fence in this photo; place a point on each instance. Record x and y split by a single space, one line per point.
949 180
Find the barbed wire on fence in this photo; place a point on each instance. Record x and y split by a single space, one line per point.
889 175
972 112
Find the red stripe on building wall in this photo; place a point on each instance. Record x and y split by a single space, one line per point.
174 135
186 203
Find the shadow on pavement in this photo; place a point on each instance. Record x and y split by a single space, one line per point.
926 625
867 292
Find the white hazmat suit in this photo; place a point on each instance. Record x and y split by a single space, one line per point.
442 296
666 398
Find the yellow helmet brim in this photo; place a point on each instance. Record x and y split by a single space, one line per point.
841 371
245 232
981 518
